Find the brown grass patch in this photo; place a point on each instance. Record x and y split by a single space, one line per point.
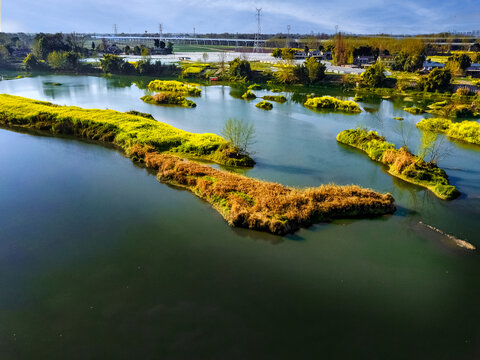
265 206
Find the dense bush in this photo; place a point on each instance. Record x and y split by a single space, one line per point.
329 102
374 76
437 80
277 98
265 105
414 110
249 95
240 69
406 62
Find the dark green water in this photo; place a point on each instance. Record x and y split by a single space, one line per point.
100 261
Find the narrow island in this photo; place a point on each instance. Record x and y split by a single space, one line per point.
331 103
242 201
277 98
466 131
401 162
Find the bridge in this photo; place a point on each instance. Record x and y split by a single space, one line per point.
179 40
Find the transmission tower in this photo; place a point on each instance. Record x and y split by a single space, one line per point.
257 43
115 29
160 31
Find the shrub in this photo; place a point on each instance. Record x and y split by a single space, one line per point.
437 80
265 105
249 95
374 76
329 102
240 69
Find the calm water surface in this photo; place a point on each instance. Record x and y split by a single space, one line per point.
99 260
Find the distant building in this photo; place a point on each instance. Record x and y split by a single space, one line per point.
362 61
473 70
321 55
430 65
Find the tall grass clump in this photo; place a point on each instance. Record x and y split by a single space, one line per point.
467 131
329 102
174 86
249 95
116 128
401 162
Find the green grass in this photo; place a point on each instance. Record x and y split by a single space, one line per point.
467 131
120 129
401 162
331 103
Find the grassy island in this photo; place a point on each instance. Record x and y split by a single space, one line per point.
116 128
329 102
277 98
467 131
414 110
401 162
174 86
265 105
242 201
168 98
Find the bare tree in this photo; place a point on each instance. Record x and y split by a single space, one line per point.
433 147
239 134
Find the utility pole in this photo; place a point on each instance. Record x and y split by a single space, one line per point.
287 40
257 44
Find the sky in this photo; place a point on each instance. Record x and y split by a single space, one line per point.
181 16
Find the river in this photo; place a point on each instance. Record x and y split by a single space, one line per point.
99 260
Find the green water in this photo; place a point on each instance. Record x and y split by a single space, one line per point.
100 261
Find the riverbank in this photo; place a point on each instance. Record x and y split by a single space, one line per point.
466 131
401 163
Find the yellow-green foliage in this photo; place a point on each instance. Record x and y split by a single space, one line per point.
278 98
414 110
120 129
454 109
174 86
401 162
265 105
468 131
249 95
329 102
193 70
168 98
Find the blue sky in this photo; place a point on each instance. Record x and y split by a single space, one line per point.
367 16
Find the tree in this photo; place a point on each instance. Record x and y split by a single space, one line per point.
239 134
307 49
57 60
240 69
374 76
44 44
311 71
162 44
111 64
169 48
437 80
156 43
340 50
205 57
464 61
32 63
127 50
93 45
277 53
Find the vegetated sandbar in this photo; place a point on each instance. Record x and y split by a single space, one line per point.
331 103
401 162
467 131
242 201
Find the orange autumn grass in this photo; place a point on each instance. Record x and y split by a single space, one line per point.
254 204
